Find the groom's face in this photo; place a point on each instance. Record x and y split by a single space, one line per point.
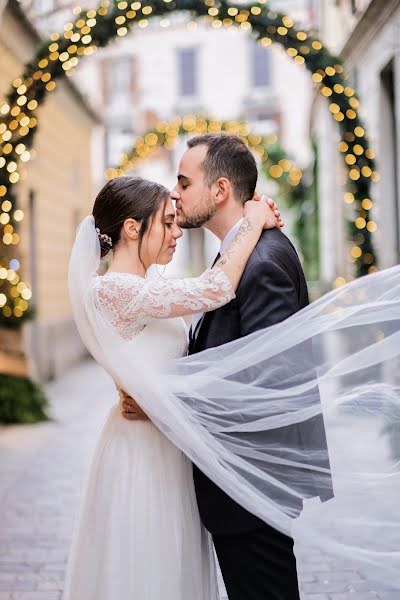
194 201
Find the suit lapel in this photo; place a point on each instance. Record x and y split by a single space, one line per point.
195 336
200 321
196 331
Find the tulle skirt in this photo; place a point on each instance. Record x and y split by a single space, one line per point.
139 535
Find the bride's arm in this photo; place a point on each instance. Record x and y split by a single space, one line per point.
235 258
131 298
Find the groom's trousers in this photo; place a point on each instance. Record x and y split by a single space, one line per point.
258 565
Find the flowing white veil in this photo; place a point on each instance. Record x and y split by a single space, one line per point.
258 415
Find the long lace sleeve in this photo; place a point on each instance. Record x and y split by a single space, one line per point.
129 298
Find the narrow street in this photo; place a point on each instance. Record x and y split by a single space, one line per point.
41 471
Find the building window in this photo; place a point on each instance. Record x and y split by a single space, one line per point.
118 80
261 66
187 71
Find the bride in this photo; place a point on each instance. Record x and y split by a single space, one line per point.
139 535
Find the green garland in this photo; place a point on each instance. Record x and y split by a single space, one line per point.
95 28
166 133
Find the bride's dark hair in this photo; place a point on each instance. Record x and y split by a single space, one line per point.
126 198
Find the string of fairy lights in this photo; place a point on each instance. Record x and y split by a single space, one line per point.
165 134
60 55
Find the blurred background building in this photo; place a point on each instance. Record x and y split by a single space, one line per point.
56 191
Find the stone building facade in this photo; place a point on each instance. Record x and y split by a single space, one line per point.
367 34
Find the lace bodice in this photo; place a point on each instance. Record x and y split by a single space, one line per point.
130 302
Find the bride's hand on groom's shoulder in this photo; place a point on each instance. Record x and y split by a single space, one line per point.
130 409
274 218
259 214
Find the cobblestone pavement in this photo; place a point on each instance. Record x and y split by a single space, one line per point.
41 470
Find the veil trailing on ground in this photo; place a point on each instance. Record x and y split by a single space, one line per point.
259 414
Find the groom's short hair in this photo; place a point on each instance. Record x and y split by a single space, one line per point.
228 156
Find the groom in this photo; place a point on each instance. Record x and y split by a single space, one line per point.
257 561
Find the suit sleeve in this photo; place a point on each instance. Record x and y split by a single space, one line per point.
266 296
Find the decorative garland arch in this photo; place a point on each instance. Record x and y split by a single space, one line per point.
166 133
92 29
275 165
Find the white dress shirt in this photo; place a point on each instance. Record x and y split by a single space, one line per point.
229 236
224 245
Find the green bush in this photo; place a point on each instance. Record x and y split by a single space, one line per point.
21 400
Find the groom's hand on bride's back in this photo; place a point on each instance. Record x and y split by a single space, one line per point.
130 409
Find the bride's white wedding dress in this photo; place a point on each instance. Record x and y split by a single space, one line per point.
139 535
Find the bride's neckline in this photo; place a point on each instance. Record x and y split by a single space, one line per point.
121 273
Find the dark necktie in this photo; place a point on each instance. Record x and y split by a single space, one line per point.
216 259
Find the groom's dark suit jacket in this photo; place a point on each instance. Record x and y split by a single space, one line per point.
272 288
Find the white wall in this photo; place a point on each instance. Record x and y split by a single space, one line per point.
332 212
